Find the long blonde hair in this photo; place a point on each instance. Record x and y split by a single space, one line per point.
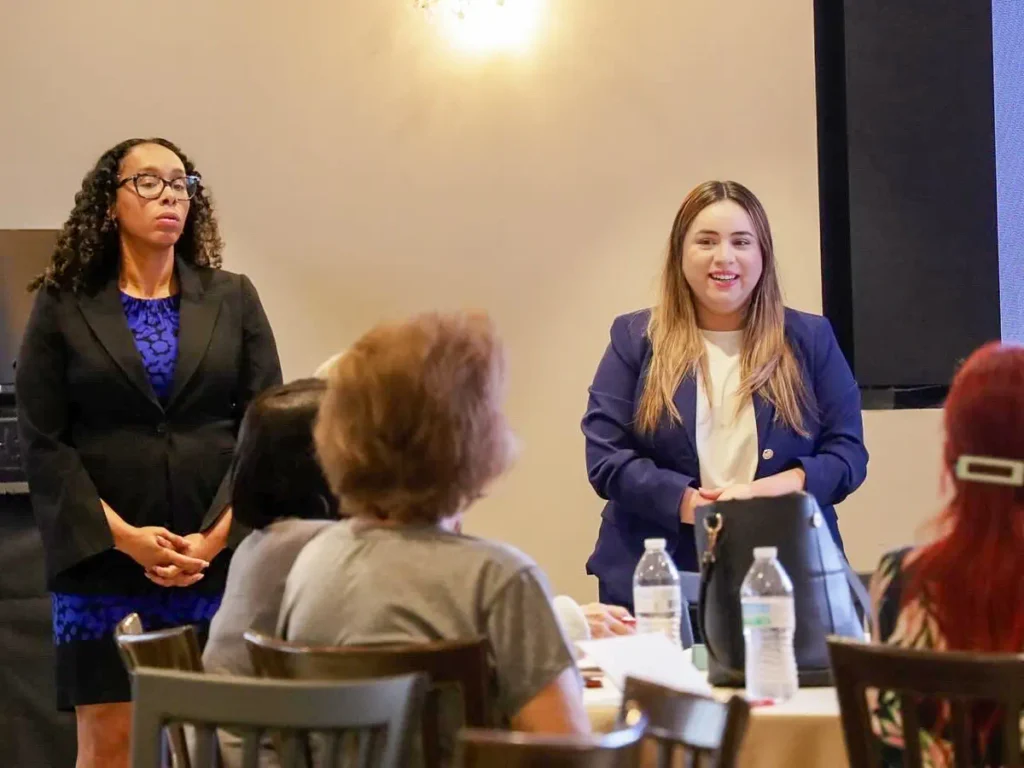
768 366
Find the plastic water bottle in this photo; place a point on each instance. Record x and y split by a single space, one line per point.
657 597
769 621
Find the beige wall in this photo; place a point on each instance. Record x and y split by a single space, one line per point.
363 171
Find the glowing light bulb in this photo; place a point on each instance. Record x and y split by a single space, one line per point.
489 26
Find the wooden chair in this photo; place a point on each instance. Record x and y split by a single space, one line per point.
960 679
705 731
463 664
478 748
363 724
175 648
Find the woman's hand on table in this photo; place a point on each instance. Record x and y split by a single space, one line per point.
608 620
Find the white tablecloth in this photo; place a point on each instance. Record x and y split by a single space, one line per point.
804 731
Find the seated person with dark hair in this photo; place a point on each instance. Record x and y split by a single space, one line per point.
410 434
280 492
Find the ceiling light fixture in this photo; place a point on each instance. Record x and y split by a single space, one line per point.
485 26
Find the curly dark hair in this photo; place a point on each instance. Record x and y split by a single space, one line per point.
88 248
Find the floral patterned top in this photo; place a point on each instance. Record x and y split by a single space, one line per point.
914 626
154 325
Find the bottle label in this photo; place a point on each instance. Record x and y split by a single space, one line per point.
656 600
770 612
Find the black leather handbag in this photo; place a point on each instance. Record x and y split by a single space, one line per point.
829 597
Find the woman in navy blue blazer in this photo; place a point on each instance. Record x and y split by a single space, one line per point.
717 392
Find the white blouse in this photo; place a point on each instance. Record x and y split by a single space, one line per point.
726 428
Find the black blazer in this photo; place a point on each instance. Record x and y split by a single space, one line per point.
91 426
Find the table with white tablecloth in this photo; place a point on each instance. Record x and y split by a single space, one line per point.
804 731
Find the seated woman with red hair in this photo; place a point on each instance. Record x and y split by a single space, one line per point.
965 590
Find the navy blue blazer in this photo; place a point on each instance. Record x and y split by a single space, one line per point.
643 477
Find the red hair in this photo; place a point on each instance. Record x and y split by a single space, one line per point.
972 579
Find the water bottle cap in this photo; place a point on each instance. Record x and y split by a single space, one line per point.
766 553
656 545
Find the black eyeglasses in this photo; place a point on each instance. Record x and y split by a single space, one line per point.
149 186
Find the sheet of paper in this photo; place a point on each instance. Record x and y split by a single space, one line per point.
651 657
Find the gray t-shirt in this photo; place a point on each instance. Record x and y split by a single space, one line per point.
360 584
252 595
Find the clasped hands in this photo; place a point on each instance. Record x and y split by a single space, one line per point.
698 497
198 549
170 560
787 481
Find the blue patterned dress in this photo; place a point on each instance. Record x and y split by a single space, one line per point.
83 624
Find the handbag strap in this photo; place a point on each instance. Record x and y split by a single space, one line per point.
707 569
860 593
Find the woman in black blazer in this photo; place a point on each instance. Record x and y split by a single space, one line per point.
137 364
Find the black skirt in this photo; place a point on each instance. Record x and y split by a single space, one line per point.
89 605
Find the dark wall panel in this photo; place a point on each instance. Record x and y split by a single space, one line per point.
910 247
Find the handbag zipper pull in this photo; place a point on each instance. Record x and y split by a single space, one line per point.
712 524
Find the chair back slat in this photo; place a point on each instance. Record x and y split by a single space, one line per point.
1011 732
665 751
737 718
204 747
911 725
687 723
366 744
285 706
949 679
251 740
334 747
292 751
462 664
961 727
481 748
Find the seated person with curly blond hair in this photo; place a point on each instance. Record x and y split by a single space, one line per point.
410 433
